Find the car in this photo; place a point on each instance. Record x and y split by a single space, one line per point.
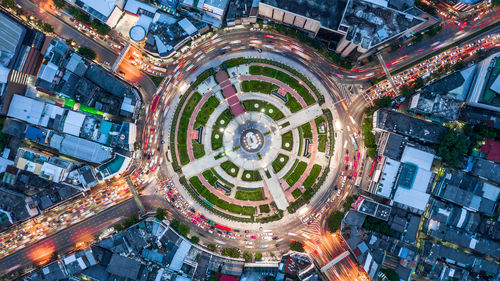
336 187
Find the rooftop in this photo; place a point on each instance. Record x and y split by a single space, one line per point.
439 107
327 12
11 37
371 24
487 169
124 267
414 128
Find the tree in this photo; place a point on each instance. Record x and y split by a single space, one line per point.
247 256
8 3
406 91
181 228
118 227
87 53
58 3
296 246
100 27
212 247
335 220
348 202
160 214
419 37
258 256
452 147
195 239
419 83
231 252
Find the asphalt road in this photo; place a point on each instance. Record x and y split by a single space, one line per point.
66 31
65 240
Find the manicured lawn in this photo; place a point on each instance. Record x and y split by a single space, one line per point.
210 177
249 196
226 116
198 149
296 193
269 109
223 180
183 126
306 131
205 111
293 104
287 138
295 175
230 168
264 208
278 164
322 142
235 62
257 86
213 199
251 175
285 78
313 176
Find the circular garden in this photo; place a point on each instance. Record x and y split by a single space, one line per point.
251 140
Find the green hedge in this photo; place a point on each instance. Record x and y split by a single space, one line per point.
313 176
264 208
249 195
198 149
285 78
212 198
254 175
292 103
287 138
307 131
183 127
209 176
205 111
276 115
295 175
257 86
226 116
227 166
277 164
296 193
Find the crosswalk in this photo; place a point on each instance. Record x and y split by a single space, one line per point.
20 78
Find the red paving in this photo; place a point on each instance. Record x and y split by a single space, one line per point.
229 93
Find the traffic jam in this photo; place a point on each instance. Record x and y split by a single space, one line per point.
427 67
187 210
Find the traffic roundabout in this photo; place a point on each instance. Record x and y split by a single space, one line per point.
250 139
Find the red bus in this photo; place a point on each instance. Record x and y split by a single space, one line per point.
155 103
222 227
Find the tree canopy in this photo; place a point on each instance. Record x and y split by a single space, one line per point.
87 53
296 246
452 147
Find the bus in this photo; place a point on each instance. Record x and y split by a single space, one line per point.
223 227
155 103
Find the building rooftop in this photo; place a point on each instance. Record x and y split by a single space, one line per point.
492 149
124 267
11 37
370 24
438 107
414 128
486 169
456 85
327 12
393 146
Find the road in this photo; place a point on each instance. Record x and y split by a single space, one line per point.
353 105
66 240
67 31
